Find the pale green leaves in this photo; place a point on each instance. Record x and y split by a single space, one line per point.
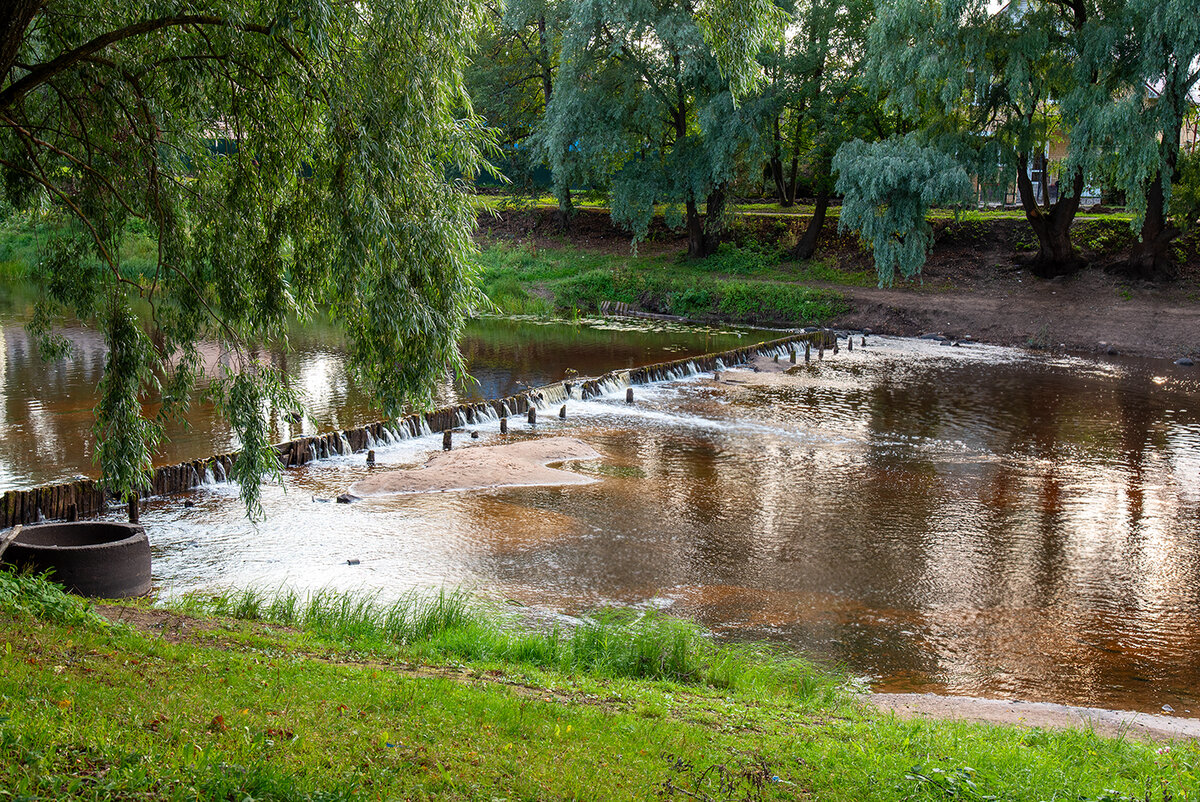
889 188
290 158
738 31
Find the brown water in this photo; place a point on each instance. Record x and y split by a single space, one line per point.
971 520
46 408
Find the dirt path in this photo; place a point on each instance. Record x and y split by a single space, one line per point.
1110 723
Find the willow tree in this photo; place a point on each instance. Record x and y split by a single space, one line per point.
642 106
288 158
986 82
1145 57
889 188
816 101
512 79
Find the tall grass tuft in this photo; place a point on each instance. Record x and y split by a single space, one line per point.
454 625
26 595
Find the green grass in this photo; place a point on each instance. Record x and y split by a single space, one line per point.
747 284
22 236
453 626
225 709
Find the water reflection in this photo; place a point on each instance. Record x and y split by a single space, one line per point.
975 520
46 408
978 521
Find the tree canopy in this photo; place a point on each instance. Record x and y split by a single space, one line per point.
289 158
641 105
889 188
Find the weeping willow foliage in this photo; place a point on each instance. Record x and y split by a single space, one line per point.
1143 61
289 157
889 187
641 106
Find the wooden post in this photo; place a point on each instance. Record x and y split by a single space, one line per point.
849 342
562 412
72 513
807 352
504 426
821 348
133 508
447 437
629 395
792 355
371 457
532 414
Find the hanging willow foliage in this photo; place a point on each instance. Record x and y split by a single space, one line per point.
289 157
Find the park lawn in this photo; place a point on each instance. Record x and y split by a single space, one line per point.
220 708
746 284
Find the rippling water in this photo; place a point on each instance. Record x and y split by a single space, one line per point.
46 408
967 520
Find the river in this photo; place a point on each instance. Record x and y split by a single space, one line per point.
974 520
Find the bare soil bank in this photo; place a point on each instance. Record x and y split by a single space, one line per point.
973 284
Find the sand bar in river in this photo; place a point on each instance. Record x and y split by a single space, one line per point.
523 463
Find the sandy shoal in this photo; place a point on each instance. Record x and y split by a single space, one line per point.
520 464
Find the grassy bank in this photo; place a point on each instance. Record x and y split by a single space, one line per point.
746 284
292 699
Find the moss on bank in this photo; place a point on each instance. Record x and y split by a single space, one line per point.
331 708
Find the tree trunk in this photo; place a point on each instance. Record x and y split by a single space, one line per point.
704 232
1151 258
1052 225
695 232
714 219
807 245
791 186
15 16
777 164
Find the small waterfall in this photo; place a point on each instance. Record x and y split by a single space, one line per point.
551 395
344 444
217 472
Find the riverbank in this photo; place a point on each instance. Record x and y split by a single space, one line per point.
184 705
972 286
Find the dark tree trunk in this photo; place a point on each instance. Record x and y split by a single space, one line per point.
1056 255
704 232
1151 258
795 167
807 245
777 163
15 16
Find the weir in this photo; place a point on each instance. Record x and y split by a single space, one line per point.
83 498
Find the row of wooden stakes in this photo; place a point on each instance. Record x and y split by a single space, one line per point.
85 498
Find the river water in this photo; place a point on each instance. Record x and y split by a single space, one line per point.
972 520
